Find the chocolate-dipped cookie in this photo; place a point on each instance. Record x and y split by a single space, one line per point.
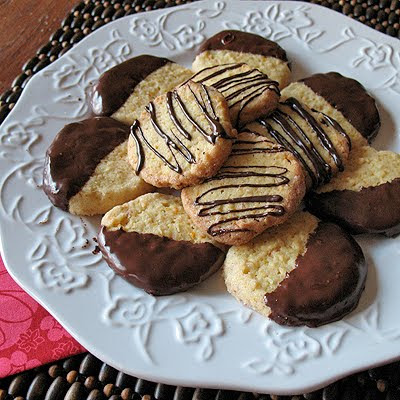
317 141
124 90
341 98
248 92
152 243
86 169
365 198
260 185
233 46
182 137
303 272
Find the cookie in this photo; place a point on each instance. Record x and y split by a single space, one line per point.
182 137
317 141
343 99
152 243
260 185
248 92
303 272
86 168
124 90
232 46
365 198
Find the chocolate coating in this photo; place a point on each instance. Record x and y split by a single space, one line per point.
325 285
243 42
157 264
350 98
374 209
75 153
116 85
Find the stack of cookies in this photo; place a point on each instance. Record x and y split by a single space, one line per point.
200 169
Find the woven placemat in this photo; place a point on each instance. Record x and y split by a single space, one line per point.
84 377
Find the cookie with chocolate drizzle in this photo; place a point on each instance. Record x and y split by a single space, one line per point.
260 185
303 272
343 99
233 46
182 137
318 142
152 243
86 169
248 92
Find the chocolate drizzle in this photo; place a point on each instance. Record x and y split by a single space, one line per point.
240 88
157 264
116 85
374 209
243 42
325 285
175 141
259 206
350 98
75 153
294 139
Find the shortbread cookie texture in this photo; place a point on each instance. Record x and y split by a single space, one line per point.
124 90
303 272
260 185
343 99
317 141
232 46
365 198
248 92
182 137
86 168
152 243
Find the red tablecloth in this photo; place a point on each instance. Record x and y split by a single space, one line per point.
29 335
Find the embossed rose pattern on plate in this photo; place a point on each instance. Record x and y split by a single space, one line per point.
202 337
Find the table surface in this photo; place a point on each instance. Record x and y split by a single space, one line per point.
25 25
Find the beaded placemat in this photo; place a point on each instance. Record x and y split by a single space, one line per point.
84 377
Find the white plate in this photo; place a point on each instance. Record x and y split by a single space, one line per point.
202 337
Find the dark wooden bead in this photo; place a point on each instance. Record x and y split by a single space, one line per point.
111 389
144 387
5 95
78 7
125 381
30 63
381 16
20 384
77 22
393 18
97 11
120 13
317 395
44 49
90 365
88 23
183 393
38 387
347 8
39 66
57 389
331 392
164 392
204 394
108 12
88 8
77 37
227 395
56 35
97 24
19 80
68 19
4 111
107 374
96 394
75 392
55 50
67 35
391 31
358 10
